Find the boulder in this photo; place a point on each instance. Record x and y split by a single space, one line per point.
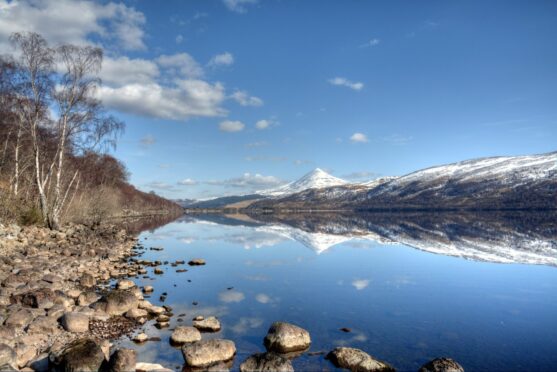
210 324
8 358
75 322
183 335
266 362
151 367
357 360
119 302
82 355
20 318
37 298
43 325
125 284
208 352
441 365
87 298
285 338
197 262
122 360
142 337
136 313
87 280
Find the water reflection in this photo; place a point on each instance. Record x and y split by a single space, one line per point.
529 238
369 273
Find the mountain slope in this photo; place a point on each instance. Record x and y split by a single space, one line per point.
315 179
523 182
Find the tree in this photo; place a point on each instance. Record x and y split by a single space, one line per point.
81 124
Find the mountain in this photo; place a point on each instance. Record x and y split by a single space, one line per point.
223 201
315 179
520 182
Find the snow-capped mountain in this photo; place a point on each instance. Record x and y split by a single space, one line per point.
521 182
316 179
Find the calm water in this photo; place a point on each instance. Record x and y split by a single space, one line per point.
404 304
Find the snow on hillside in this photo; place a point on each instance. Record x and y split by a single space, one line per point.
315 179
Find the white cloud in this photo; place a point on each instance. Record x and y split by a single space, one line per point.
360 284
238 6
179 39
370 43
73 21
245 324
180 64
187 182
359 138
160 186
181 101
148 140
123 70
231 126
264 124
224 59
231 296
257 144
250 180
244 99
340 81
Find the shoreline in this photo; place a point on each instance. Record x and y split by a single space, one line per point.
56 290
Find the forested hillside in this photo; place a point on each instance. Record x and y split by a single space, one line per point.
55 139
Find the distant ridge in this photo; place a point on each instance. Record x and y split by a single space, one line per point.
517 182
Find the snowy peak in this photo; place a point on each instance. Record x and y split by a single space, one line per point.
315 179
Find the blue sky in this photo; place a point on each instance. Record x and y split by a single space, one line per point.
359 88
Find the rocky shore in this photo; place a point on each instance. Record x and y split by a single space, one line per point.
66 295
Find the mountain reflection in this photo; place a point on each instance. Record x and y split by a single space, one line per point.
504 237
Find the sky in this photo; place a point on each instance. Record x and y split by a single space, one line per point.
224 97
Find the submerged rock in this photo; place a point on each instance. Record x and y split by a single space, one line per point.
285 338
357 360
266 362
210 324
441 365
208 352
197 262
183 335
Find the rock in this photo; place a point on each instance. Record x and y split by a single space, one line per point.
125 284
7 332
79 356
266 362
20 318
40 363
285 338
182 335
441 365
38 298
122 360
136 313
156 310
142 337
75 322
148 289
25 353
51 278
210 324
356 360
43 325
150 367
8 357
197 262
119 302
158 271
87 280
87 298
208 352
